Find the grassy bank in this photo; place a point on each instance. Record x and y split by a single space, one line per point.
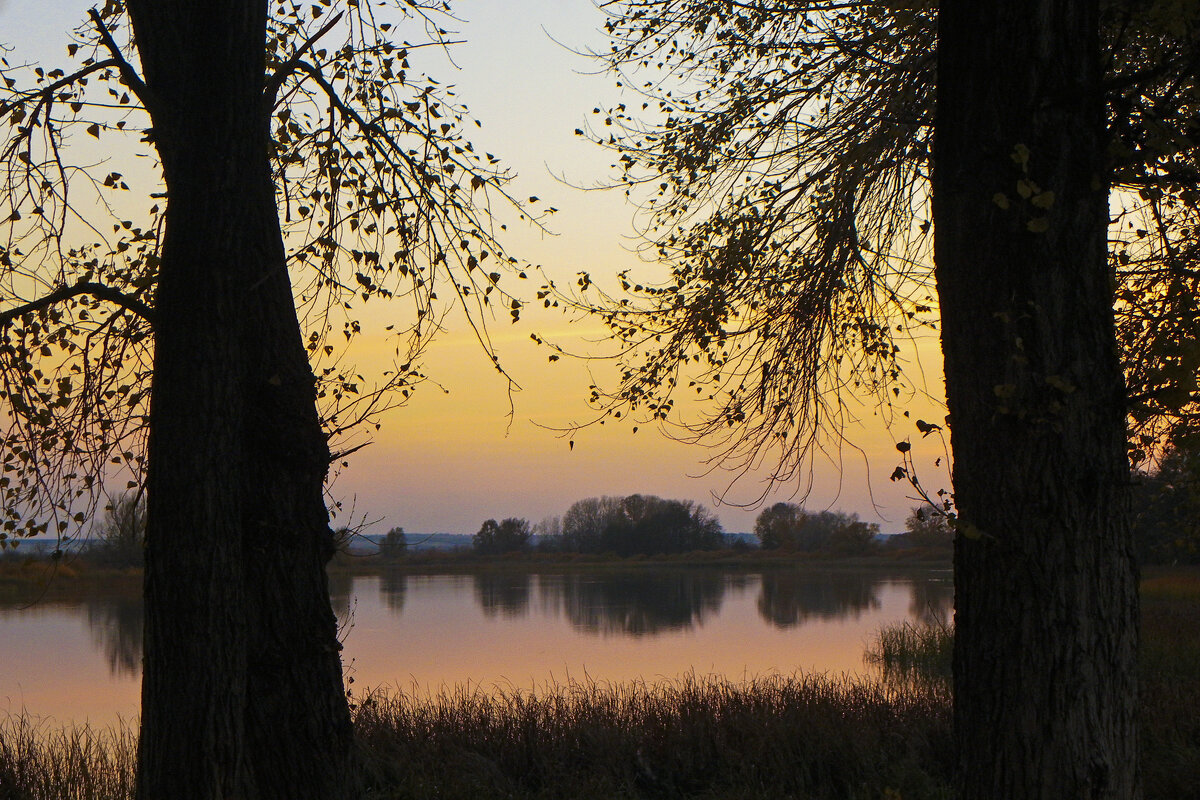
775 737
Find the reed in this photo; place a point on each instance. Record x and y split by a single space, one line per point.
794 736
38 762
914 653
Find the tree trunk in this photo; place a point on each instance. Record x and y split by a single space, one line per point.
1045 584
242 694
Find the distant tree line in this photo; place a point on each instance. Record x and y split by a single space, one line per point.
623 526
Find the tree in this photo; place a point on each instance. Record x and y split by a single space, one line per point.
928 526
1045 585
1166 508
496 538
786 185
639 524
244 107
854 537
785 182
394 544
121 537
778 527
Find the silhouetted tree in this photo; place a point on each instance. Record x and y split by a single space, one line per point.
778 527
788 526
1166 509
121 537
639 524
927 526
510 536
1045 584
853 537
394 544
789 195
174 344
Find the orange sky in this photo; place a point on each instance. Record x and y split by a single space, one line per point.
448 461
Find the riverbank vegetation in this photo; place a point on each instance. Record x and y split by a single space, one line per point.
698 736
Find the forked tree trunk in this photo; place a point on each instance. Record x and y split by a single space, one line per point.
1045 584
242 694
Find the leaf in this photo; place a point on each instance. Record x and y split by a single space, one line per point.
94 129
903 447
927 428
1000 199
1038 225
1043 200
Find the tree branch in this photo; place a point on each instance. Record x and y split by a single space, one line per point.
286 68
97 290
128 74
50 89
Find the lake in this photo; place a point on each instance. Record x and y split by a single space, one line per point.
79 659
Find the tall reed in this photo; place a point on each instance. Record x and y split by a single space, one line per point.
794 736
39 762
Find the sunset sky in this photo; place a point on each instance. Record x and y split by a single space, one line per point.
449 460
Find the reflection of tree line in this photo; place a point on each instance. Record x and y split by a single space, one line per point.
116 626
631 604
635 604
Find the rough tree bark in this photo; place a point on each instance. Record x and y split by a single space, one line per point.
242 694
1046 591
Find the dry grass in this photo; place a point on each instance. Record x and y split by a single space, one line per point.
38 763
798 736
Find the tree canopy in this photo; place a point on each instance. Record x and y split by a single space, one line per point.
781 157
637 524
382 197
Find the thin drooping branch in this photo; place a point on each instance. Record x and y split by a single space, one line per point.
129 75
97 290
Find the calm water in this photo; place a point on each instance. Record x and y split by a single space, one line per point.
80 659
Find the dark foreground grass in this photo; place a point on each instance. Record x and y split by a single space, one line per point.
1170 684
776 737
773 737
72 764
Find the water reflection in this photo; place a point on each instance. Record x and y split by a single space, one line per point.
503 593
116 627
393 588
932 600
635 604
789 599
631 604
